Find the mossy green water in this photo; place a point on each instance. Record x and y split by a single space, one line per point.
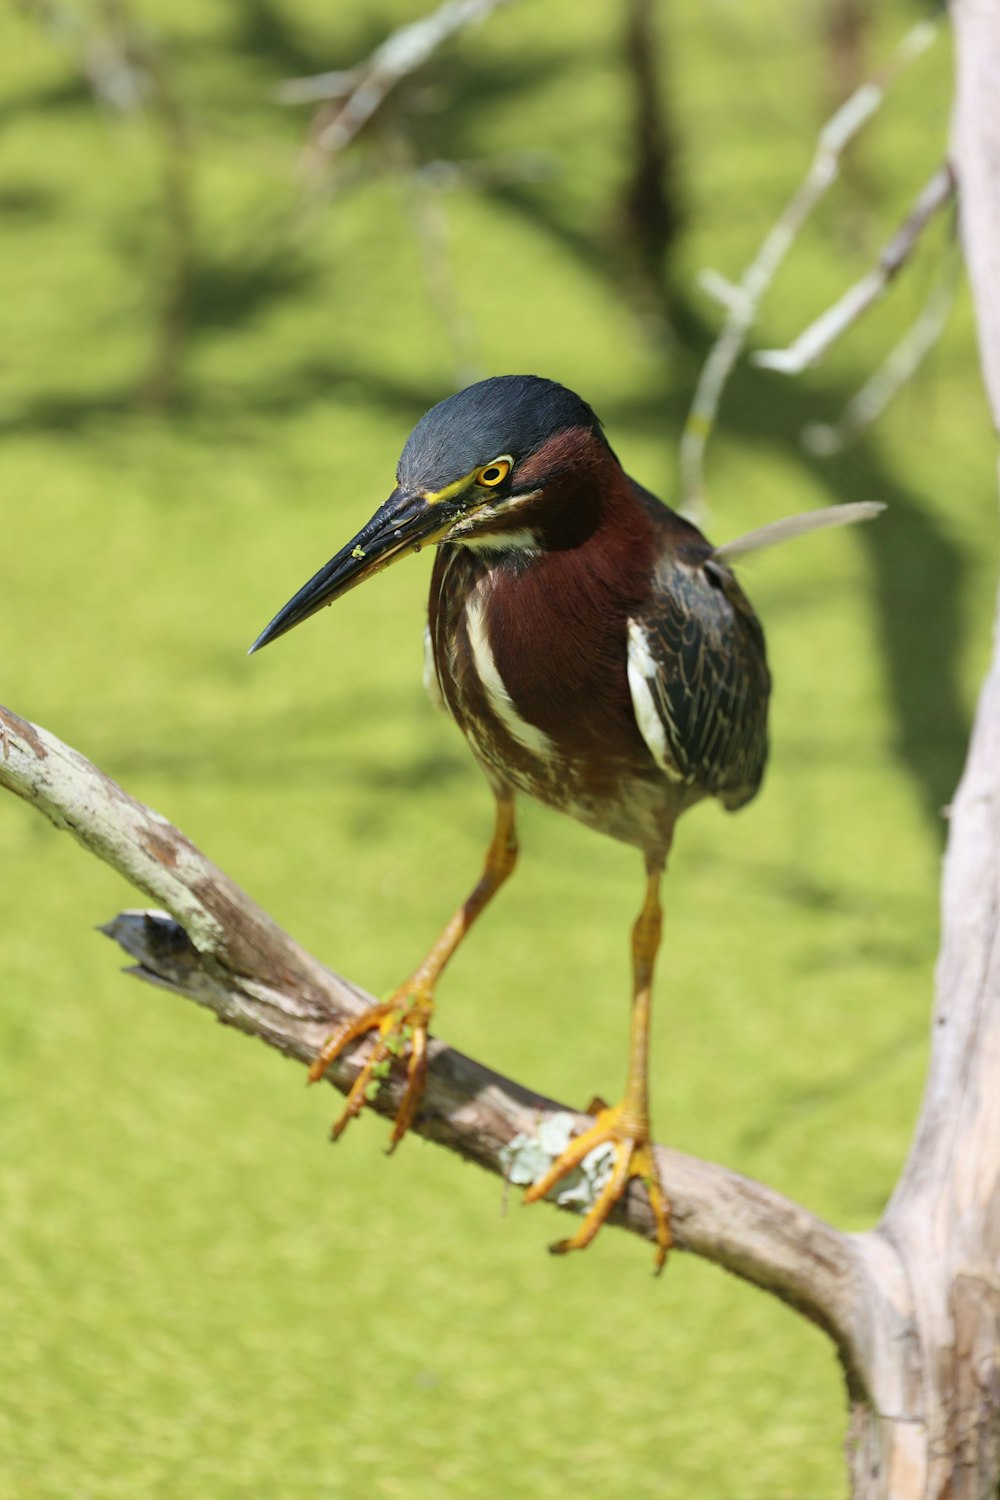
198 1297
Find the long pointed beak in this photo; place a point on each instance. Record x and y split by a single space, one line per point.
403 524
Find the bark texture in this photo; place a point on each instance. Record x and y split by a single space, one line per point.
928 1423
213 945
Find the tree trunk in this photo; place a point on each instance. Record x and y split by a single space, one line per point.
928 1423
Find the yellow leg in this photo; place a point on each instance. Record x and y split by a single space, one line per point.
626 1126
403 1019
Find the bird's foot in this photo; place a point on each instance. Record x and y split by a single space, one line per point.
401 1023
627 1130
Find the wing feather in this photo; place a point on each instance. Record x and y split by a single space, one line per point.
699 679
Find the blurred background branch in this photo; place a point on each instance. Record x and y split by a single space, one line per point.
811 345
353 96
131 74
742 301
895 372
651 216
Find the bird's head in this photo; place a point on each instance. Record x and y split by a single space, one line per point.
471 471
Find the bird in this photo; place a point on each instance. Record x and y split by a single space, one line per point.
599 656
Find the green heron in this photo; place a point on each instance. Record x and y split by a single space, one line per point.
598 655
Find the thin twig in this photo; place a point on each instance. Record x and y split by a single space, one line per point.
812 344
826 438
744 300
317 87
353 96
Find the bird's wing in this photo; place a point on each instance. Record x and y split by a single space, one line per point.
699 681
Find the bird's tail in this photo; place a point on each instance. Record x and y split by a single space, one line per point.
801 525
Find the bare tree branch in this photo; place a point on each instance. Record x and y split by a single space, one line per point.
743 301
213 945
933 1426
814 342
352 96
899 367
976 156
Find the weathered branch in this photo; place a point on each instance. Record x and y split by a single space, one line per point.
216 947
932 1427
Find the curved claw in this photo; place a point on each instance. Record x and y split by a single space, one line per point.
634 1157
402 1023
416 1074
345 1034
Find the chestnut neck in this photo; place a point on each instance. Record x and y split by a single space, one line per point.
582 489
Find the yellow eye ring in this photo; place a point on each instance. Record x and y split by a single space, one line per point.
492 474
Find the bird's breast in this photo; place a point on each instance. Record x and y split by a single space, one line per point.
534 670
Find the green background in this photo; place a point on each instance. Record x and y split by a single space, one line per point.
198 1296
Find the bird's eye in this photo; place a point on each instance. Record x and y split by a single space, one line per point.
493 474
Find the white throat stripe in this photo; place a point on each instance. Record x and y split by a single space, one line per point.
499 698
515 540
